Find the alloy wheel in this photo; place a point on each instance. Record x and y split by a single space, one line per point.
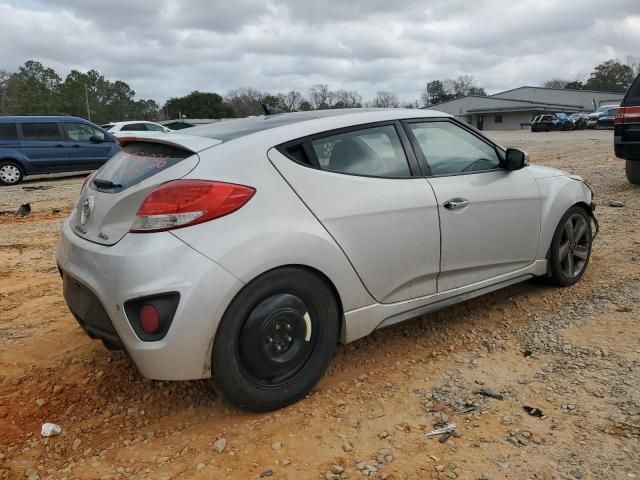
575 244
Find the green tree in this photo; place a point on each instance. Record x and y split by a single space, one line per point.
611 76
199 105
34 90
434 93
477 91
574 85
5 100
147 110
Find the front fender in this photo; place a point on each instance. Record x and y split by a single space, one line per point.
558 194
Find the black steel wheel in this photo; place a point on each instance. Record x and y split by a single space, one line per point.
275 340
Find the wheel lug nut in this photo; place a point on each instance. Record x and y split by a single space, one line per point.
269 340
278 348
289 327
277 326
288 339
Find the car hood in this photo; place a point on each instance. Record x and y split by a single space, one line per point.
540 171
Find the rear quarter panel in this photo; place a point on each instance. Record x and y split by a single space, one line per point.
273 229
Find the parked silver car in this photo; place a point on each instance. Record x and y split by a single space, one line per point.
246 250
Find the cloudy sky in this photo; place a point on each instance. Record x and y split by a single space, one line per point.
165 48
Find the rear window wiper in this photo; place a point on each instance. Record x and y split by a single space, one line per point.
101 183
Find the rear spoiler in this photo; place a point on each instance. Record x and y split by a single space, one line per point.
190 143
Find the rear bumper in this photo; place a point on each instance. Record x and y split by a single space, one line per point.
626 150
138 266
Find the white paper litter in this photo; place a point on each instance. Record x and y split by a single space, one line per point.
441 431
50 430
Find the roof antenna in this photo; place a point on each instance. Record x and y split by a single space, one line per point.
269 110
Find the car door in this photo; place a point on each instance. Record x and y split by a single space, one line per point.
42 142
359 184
88 147
489 217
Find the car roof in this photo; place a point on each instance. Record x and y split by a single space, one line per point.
128 122
41 118
298 124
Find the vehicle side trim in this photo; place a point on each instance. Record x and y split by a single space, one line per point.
361 322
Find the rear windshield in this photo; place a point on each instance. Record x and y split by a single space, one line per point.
136 162
633 95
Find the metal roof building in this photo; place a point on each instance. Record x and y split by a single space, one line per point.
514 109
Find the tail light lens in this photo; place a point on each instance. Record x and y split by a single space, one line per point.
627 115
181 203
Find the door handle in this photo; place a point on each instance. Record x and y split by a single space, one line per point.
75 146
59 145
456 203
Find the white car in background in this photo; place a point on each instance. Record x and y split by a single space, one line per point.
134 126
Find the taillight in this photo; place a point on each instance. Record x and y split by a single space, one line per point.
181 203
627 115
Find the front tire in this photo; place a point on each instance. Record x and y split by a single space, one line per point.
570 248
275 340
633 171
11 173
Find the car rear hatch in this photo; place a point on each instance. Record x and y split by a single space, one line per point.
627 121
112 195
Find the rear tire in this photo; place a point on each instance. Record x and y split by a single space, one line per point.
11 173
570 248
275 340
633 171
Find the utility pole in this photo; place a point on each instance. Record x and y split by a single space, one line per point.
86 99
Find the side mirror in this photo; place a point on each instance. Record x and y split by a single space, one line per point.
515 159
96 139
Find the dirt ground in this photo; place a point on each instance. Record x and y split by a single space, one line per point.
573 353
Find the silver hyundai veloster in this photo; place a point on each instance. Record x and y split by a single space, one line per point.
245 250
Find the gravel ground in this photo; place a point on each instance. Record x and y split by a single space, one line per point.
573 354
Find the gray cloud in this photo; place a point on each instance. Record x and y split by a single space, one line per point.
165 48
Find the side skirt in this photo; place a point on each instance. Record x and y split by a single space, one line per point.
363 321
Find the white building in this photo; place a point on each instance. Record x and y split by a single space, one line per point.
514 109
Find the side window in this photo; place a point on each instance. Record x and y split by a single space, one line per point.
450 149
40 131
78 132
154 128
98 134
134 127
8 131
373 151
